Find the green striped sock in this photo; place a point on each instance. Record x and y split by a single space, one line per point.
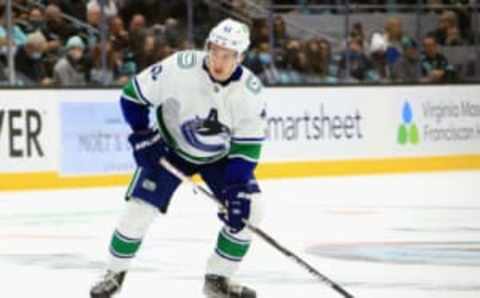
231 248
124 247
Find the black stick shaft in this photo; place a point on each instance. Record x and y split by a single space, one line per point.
260 233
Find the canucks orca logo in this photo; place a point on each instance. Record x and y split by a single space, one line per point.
207 134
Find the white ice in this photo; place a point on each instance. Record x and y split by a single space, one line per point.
54 243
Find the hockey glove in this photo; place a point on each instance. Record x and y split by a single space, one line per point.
237 203
147 147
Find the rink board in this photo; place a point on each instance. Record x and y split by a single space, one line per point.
77 138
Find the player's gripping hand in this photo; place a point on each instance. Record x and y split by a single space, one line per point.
147 147
237 203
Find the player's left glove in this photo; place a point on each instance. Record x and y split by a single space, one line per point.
237 200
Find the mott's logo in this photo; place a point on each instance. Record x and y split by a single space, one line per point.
408 131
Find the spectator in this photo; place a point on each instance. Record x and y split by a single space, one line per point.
394 32
20 16
295 65
137 33
36 21
378 56
137 23
434 66
126 64
392 38
407 68
158 11
279 32
173 33
148 56
132 54
355 59
358 33
323 69
260 32
118 34
69 70
94 14
57 30
162 48
91 36
110 8
448 32
463 9
262 63
19 37
29 63
257 57
98 76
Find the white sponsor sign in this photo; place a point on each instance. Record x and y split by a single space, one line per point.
28 131
376 122
438 120
304 124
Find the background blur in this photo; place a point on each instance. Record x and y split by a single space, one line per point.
294 42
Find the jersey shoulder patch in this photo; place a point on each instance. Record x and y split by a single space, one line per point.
187 59
253 83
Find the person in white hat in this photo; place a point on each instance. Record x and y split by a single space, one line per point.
68 71
210 120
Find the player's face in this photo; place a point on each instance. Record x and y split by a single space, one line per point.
221 62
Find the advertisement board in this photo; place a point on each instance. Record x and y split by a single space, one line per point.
379 122
94 139
78 137
438 120
28 131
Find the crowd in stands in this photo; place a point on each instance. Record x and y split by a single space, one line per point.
387 57
53 51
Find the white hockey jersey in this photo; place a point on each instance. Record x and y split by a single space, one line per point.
201 119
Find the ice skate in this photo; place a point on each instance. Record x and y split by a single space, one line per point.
108 286
217 286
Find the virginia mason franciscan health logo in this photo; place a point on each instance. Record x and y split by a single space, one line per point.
407 131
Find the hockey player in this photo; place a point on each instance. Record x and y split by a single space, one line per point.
210 119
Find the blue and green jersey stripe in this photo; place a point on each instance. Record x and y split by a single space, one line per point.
132 92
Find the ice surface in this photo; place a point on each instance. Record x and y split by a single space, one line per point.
379 236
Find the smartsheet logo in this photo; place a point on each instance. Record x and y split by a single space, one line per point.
319 124
408 131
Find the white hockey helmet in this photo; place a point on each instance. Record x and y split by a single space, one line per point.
230 34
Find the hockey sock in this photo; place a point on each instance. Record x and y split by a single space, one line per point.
231 248
229 252
128 235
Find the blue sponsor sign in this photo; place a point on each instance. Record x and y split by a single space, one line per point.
94 139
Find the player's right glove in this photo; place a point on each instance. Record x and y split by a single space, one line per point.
147 147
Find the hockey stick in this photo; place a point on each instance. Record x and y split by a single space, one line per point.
257 231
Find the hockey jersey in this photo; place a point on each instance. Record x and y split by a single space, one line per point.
201 119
